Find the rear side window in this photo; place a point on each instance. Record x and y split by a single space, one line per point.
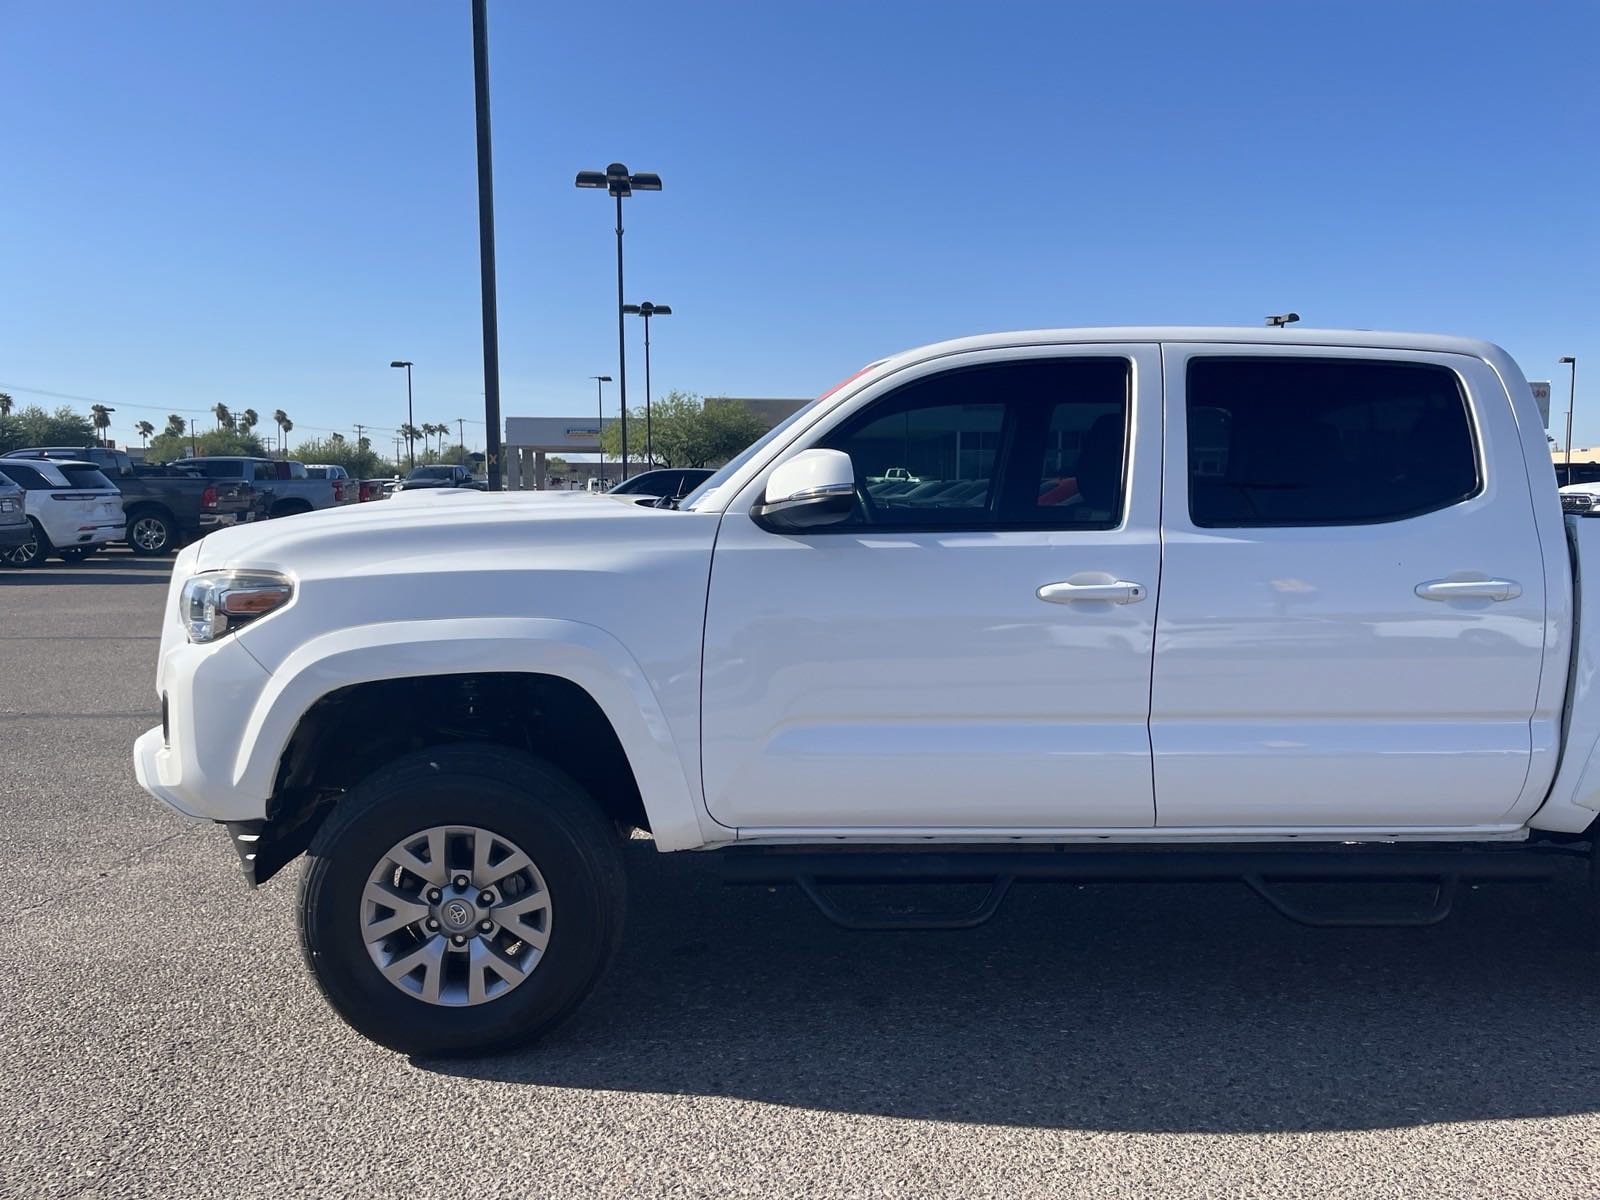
213 469
27 477
86 477
1303 441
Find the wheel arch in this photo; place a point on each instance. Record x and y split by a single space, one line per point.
511 659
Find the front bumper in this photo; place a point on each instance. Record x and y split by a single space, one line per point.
191 762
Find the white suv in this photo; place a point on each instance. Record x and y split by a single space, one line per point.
72 508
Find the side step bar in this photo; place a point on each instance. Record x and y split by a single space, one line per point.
1262 868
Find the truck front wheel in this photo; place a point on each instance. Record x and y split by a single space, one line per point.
461 901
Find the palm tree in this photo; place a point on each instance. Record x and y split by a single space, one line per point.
286 425
224 417
144 429
336 438
176 425
5 404
411 433
100 418
279 418
248 420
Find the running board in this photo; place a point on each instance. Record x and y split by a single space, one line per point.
1263 869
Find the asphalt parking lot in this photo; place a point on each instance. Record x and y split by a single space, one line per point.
160 1037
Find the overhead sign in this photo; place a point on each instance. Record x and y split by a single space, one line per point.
1541 397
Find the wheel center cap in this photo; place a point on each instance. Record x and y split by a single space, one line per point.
457 914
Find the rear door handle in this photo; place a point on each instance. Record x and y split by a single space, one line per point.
1117 592
1469 589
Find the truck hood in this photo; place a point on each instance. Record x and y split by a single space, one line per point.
446 529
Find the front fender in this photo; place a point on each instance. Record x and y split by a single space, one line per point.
584 654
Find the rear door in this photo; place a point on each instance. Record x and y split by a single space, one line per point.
1351 622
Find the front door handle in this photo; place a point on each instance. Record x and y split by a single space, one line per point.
1469 589
1117 592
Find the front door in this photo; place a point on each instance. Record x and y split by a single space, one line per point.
1352 595
971 650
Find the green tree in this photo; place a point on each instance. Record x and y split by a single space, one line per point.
360 461
224 417
687 431
167 445
33 426
100 418
281 420
248 420
144 429
176 425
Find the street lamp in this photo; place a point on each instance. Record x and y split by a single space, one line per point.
1568 360
647 310
1279 320
619 183
600 410
411 422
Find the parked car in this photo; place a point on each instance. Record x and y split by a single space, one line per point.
1580 497
72 509
288 489
441 475
664 483
164 507
14 528
345 489
374 489
1370 661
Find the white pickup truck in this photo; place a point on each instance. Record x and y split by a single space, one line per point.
1107 604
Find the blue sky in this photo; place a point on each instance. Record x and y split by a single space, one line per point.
264 203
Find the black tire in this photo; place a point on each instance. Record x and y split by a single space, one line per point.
32 553
515 795
151 533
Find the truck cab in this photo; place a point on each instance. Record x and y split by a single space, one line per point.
1120 603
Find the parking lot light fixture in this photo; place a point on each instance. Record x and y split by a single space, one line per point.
620 183
600 382
648 310
410 416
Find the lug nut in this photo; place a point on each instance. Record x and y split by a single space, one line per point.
460 939
486 926
485 897
434 895
432 924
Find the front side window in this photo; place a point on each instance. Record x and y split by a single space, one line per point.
1014 445
1304 441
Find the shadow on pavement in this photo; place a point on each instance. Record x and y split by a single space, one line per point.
110 567
1161 1007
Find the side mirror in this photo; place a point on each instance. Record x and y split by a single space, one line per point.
815 487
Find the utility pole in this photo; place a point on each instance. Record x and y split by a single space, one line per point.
461 436
359 428
194 449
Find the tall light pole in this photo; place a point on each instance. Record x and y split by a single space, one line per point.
1568 360
648 310
600 382
411 422
491 319
620 184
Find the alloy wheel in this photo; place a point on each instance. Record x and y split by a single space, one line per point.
455 915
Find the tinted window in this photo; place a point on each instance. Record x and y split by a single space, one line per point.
261 471
1012 445
1297 441
28 477
85 476
212 468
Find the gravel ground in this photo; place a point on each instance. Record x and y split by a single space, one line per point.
160 1037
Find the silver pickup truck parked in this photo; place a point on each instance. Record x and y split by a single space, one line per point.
289 489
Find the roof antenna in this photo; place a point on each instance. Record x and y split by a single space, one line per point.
1282 319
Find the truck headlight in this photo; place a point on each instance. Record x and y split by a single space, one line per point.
219 602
